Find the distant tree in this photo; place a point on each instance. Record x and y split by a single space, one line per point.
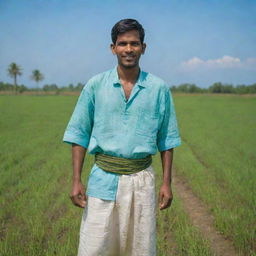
228 88
14 70
51 88
22 88
222 88
54 87
71 87
46 87
173 88
37 76
183 88
252 88
216 87
6 86
241 89
79 86
187 88
192 88
244 89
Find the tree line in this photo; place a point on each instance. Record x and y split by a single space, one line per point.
215 88
15 70
46 88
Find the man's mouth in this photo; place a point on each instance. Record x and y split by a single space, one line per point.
129 57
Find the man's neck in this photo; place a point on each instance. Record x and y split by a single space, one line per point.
129 75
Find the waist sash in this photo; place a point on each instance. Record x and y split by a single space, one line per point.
121 165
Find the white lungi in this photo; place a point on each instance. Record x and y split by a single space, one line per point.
126 226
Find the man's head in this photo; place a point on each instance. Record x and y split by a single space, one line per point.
128 42
126 25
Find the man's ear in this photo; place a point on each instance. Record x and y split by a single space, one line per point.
143 48
112 47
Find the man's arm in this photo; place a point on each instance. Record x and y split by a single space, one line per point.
165 194
77 194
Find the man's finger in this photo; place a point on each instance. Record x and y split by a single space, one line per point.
163 203
80 203
83 196
166 203
161 200
161 196
78 200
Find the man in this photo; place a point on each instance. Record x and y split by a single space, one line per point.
122 117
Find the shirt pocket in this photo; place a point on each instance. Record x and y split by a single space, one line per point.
147 124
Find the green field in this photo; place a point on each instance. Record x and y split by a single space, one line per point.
216 158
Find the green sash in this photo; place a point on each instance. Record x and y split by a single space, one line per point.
122 165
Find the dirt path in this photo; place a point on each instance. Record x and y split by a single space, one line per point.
202 219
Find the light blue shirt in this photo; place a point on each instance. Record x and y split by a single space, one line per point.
104 121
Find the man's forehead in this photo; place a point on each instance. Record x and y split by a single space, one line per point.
129 35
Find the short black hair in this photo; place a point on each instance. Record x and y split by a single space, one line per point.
126 25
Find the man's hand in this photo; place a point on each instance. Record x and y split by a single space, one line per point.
165 196
77 194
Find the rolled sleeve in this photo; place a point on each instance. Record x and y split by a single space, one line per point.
79 128
168 134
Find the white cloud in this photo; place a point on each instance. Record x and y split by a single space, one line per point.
224 62
193 62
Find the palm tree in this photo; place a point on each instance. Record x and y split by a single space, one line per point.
14 70
37 76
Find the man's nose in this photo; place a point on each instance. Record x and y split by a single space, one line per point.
128 48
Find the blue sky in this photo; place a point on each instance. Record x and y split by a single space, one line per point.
196 41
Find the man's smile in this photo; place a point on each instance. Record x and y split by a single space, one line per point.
129 57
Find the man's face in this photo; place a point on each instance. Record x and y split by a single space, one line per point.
128 49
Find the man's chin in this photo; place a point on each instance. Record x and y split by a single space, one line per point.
129 65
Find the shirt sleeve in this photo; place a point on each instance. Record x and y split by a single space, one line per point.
80 125
168 134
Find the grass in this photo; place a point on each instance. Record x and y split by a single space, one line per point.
219 162
176 234
36 214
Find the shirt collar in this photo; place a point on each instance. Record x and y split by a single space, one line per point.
139 82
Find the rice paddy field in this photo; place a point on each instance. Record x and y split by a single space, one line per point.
216 160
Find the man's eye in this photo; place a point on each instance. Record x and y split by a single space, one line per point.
135 43
122 44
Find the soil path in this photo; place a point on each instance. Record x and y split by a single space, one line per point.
202 219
